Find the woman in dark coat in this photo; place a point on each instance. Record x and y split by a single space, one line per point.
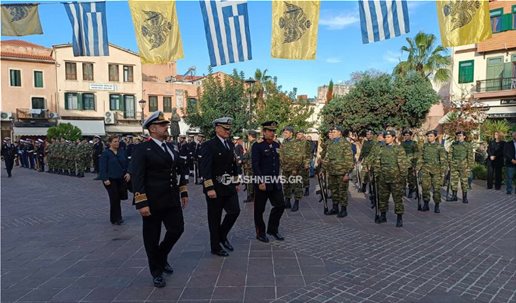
113 173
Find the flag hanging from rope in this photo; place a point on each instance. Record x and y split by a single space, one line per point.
383 19
89 28
157 30
463 22
294 29
20 20
226 24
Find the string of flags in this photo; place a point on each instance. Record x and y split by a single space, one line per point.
227 26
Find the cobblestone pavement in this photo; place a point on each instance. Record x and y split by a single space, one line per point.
58 246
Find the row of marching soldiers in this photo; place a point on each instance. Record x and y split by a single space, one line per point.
72 158
387 167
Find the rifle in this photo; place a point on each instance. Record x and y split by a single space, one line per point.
418 195
321 183
376 198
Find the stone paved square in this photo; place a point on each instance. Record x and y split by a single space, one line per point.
58 246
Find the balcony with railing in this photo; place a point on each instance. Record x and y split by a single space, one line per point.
494 85
32 114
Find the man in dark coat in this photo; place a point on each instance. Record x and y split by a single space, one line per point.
98 148
495 161
219 171
266 165
160 194
9 153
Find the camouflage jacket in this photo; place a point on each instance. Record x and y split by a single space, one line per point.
411 150
247 164
388 162
461 155
293 155
432 158
338 158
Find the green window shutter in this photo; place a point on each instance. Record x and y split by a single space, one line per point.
513 58
466 71
66 101
79 101
506 22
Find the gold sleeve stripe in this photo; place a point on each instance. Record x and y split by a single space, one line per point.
183 188
139 197
208 183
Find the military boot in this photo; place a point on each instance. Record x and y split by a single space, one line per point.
287 203
295 207
425 206
453 197
399 221
307 192
436 208
410 194
383 217
343 212
465 197
334 210
363 189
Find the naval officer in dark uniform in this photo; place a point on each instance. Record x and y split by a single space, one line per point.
266 165
160 194
218 170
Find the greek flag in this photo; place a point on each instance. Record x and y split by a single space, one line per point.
383 19
227 31
89 28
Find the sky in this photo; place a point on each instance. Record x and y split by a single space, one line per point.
340 51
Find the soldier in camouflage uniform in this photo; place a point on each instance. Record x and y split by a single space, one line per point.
367 146
390 166
59 149
293 160
50 156
411 152
460 161
300 136
431 164
338 164
70 158
247 165
82 157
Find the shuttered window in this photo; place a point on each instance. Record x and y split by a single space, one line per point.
466 71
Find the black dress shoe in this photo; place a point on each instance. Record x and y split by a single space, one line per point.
220 253
262 238
277 236
168 269
227 245
159 282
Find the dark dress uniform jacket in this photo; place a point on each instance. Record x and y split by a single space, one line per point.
216 161
266 162
157 179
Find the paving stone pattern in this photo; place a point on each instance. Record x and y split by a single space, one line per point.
58 246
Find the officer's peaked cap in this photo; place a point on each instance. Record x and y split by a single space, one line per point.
270 125
225 122
156 117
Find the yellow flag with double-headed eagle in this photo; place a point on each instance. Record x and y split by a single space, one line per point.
463 21
294 29
157 30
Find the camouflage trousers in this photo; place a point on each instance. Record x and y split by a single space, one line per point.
411 178
292 188
250 187
431 181
385 190
459 173
306 180
339 189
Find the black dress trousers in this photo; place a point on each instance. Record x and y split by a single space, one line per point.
219 231
278 207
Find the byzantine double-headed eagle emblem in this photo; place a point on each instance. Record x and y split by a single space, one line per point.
155 28
460 12
294 23
17 12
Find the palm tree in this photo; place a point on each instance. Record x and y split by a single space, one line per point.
263 82
425 58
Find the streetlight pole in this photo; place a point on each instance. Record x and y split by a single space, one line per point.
142 105
250 82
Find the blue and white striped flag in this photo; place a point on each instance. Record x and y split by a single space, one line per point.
227 31
89 28
383 19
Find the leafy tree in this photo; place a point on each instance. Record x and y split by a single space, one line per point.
464 114
425 58
220 97
283 108
378 101
490 126
66 131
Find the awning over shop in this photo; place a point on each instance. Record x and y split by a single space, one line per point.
501 111
124 129
30 131
88 127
